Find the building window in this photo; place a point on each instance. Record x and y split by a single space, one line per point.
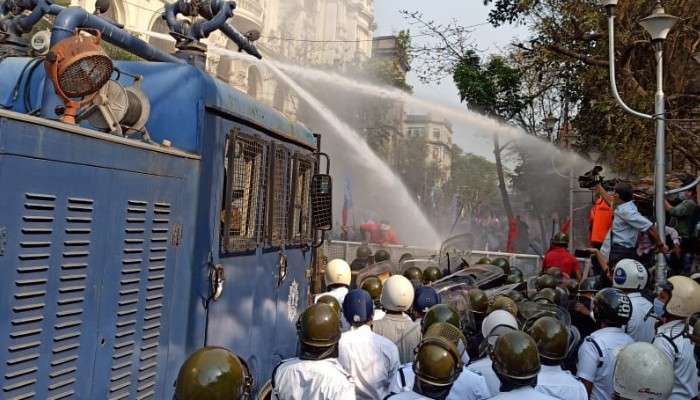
244 193
436 154
436 134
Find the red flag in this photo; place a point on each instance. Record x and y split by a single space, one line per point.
566 226
512 234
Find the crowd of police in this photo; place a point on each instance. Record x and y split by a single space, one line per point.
396 337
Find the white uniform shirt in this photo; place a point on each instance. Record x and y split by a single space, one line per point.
339 293
556 382
378 314
685 385
371 359
642 326
526 393
599 370
297 379
468 386
483 368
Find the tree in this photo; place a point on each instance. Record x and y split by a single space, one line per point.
571 37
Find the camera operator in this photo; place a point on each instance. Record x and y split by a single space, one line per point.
628 222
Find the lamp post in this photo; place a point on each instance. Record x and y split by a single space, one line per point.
658 25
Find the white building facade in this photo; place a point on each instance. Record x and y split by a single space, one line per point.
305 32
437 133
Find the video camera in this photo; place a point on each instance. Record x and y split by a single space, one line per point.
592 178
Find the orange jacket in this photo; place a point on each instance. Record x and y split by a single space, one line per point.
601 220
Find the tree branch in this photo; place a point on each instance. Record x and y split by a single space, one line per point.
581 57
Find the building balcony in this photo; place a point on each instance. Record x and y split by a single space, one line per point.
248 15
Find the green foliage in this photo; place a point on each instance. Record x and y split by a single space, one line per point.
473 179
493 87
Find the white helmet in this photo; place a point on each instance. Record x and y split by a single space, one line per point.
397 293
685 297
497 323
630 274
338 273
642 372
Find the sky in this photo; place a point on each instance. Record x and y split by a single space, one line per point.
489 40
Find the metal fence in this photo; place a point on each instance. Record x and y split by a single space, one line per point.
530 264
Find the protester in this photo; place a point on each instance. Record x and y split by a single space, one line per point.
685 216
379 233
559 257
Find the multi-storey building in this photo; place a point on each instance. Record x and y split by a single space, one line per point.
437 133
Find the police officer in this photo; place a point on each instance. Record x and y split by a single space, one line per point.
642 372
315 373
468 386
494 325
331 301
612 310
552 340
425 297
436 366
381 255
337 279
548 296
363 257
517 364
431 274
630 276
370 358
479 304
545 281
684 301
503 264
373 286
504 303
484 261
397 298
415 275
233 380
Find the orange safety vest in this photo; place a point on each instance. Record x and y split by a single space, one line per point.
601 221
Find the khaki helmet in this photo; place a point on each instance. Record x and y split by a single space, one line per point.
319 326
484 260
551 337
556 273
572 286
515 356
545 281
448 331
397 293
373 286
440 313
504 303
381 255
213 373
503 264
413 274
515 295
478 300
437 362
363 252
431 274
547 295
561 239
338 273
685 297
514 279
643 372
331 301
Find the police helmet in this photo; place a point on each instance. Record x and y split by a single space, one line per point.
358 307
397 293
504 303
478 300
545 281
552 338
425 298
437 362
331 301
440 313
503 264
381 255
612 306
363 252
630 274
515 356
413 274
213 373
643 372
319 326
373 286
431 274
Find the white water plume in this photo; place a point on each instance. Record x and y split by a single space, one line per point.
380 189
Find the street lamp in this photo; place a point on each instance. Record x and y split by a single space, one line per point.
658 24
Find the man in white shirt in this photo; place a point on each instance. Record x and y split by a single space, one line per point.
315 373
370 358
337 279
496 323
468 386
436 366
631 277
516 362
596 356
552 340
671 340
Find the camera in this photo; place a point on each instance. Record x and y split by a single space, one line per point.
592 178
